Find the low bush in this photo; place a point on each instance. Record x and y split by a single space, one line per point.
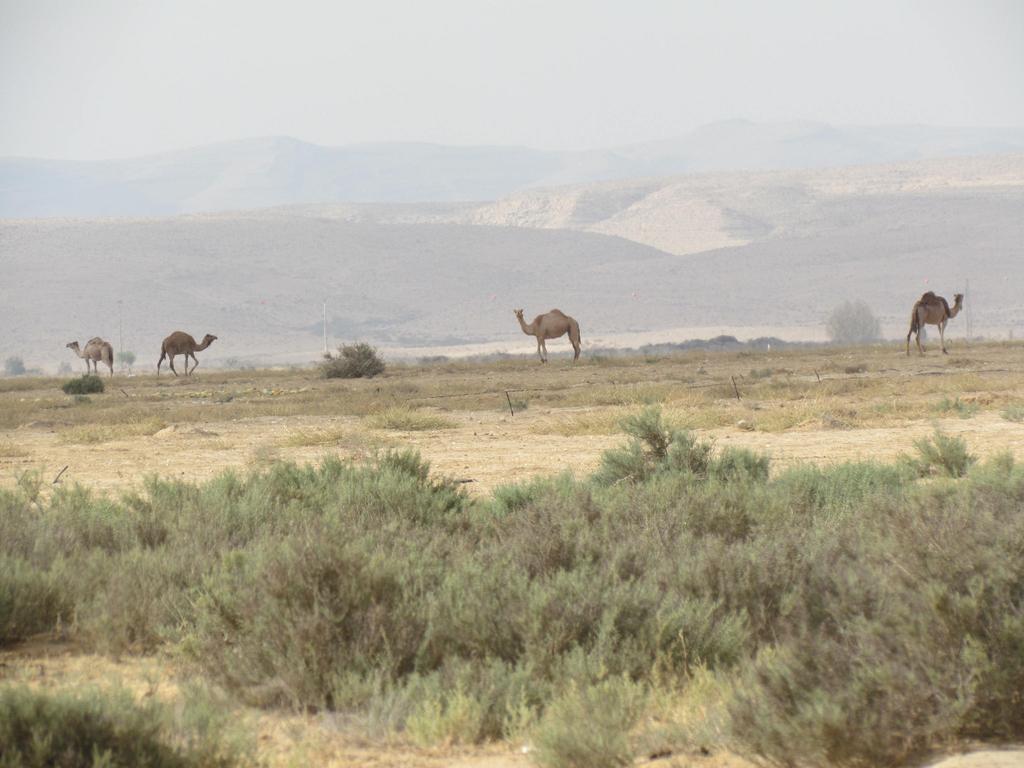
847 615
92 728
354 361
1014 413
590 727
942 455
86 385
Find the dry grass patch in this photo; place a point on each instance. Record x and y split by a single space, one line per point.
400 418
9 450
86 434
334 437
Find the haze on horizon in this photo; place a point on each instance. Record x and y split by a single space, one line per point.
117 79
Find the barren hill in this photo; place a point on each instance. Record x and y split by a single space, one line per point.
262 172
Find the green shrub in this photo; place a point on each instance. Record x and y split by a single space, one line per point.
31 600
590 727
89 729
86 385
943 455
354 361
860 614
653 448
1014 413
963 409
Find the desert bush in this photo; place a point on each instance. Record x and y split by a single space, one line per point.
354 361
590 727
941 454
31 600
93 728
1014 413
86 385
955 405
654 448
853 322
860 614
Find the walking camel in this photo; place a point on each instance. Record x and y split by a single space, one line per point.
180 343
551 325
933 310
96 350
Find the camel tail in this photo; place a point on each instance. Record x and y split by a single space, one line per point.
914 324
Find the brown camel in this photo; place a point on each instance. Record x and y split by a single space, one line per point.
180 343
96 350
552 325
933 310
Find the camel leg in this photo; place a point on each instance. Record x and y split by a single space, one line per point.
539 354
159 362
544 346
195 362
942 337
170 359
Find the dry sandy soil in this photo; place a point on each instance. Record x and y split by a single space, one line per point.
807 406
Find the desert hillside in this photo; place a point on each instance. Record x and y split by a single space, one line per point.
271 171
703 252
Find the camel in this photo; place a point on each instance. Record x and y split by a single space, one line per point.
180 343
933 310
552 325
96 350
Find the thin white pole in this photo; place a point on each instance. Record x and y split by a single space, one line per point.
325 327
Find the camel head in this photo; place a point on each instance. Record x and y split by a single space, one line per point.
209 339
518 313
958 299
72 345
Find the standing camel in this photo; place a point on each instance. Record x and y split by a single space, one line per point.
551 325
180 343
96 350
933 310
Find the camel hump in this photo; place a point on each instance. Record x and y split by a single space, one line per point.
928 297
557 312
95 340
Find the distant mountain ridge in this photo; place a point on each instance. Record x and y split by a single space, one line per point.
712 251
267 172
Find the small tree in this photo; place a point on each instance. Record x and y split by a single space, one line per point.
126 359
354 361
14 366
853 322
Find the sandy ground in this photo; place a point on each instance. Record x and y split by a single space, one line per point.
486 448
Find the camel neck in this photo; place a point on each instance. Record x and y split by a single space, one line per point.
527 329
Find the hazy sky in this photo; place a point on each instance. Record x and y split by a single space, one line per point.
91 79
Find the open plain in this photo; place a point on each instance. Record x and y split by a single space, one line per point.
485 425
818 404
